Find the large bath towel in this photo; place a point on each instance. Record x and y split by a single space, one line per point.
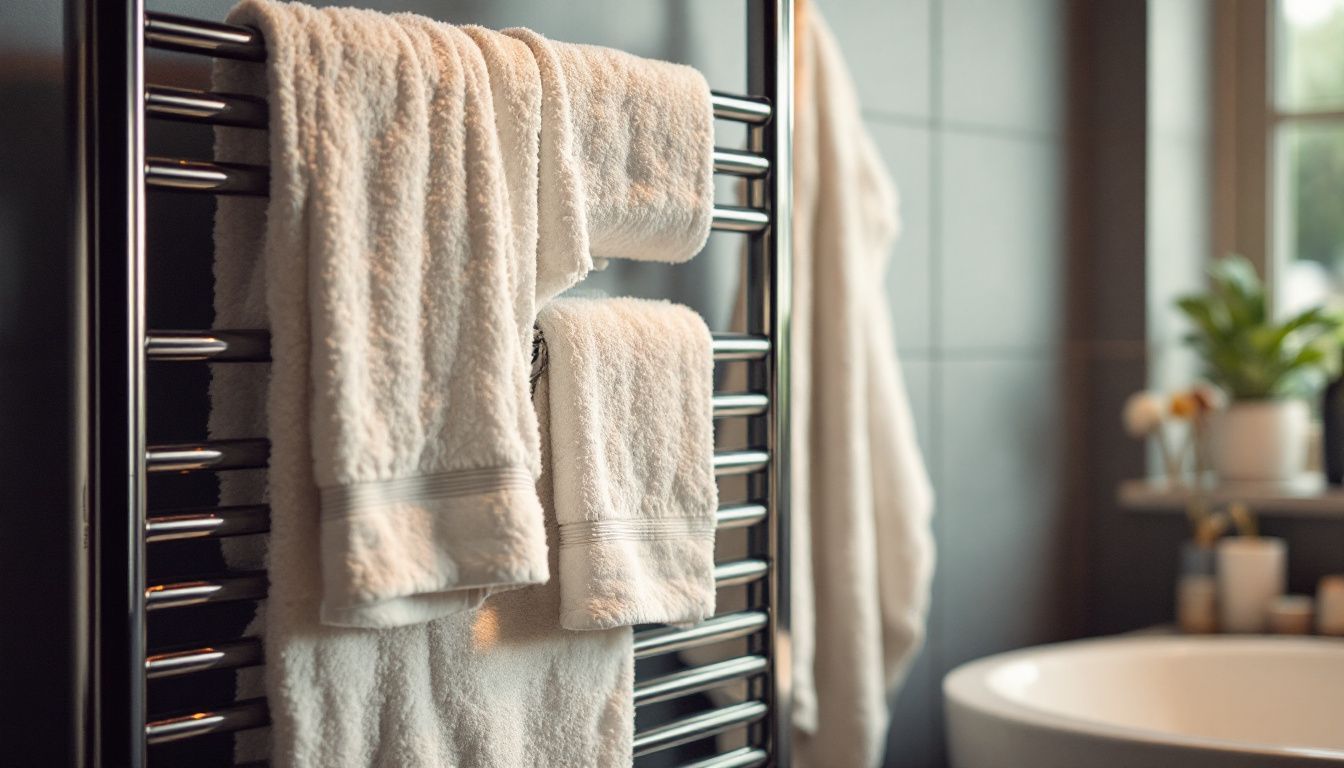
862 550
399 297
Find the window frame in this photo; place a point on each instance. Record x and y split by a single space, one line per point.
1251 160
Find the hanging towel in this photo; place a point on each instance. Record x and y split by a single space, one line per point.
631 382
627 163
399 298
861 543
499 687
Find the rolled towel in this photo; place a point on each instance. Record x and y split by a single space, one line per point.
627 159
632 443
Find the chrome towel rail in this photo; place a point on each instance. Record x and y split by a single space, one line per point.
221 522
731 626
252 346
698 679
253 586
220 455
179 660
229 41
697 727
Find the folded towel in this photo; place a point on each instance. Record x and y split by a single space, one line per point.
631 430
400 307
627 164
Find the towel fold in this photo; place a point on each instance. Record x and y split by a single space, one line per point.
631 383
627 159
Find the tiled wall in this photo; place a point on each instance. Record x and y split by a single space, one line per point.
966 98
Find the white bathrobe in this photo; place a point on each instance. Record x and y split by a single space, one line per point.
862 550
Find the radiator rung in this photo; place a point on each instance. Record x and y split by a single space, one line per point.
730 404
698 679
730 626
252 453
179 175
254 346
212 346
207 522
743 757
740 572
738 163
697 727
740 515
175 662
213 455
236 717
220 589
184 104
740 462
221 522
205 176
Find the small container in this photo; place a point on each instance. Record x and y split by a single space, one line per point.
1197 604
1291 615
1196 590
1252 572
1330 605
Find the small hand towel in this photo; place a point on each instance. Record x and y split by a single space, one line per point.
399 291
627 159
632 439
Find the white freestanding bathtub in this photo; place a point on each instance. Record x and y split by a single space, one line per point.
1151 702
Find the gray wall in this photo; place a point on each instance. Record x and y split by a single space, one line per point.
967 99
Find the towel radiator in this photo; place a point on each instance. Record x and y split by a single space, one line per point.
126 525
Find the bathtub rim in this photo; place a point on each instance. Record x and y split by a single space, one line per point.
967 686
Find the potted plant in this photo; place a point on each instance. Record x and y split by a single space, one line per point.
1267 368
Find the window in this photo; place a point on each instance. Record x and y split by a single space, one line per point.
1307 137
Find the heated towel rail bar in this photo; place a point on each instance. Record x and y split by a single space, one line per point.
124 521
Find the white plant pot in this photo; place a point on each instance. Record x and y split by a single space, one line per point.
1252 573
1260 440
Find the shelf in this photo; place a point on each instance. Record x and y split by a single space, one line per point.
1306 496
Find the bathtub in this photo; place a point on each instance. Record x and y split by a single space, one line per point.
1151 702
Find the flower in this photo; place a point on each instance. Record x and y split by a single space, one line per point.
1184 405
1143 413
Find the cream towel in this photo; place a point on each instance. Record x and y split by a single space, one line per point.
631 383
862 549
627 166
399 298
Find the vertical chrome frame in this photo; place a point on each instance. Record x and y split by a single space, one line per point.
113 154
770 290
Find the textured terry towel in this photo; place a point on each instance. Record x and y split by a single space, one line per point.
632 434
399 296
367 109
503 686
862 548
627 165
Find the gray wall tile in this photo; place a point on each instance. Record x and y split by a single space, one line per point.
1001 231
1001 428
887 45
917 372
909 287
1001 63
